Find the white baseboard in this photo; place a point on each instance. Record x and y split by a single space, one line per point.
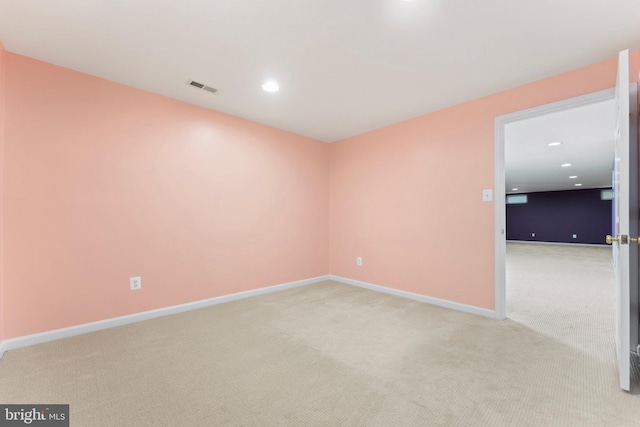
27 340
485 312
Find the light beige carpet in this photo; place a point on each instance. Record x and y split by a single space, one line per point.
334 355
564 292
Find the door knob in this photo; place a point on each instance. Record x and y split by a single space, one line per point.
610 239
622 239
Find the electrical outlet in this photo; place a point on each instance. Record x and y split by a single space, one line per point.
135 283
359 261
575 236
533 234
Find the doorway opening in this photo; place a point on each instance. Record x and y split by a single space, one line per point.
545 180
553 211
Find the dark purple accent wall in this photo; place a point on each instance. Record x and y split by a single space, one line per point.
556 215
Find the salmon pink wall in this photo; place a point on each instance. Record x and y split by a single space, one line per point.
2 91
407 198
104 182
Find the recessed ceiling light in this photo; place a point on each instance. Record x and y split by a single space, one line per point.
514 189
554 144
565 165
578 185
573 176
270 86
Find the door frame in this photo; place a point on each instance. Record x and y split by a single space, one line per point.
500 215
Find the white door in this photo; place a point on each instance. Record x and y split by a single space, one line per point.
625 208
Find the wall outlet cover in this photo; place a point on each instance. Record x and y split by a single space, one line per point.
135 283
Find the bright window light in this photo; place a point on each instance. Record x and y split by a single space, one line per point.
606 194
516 199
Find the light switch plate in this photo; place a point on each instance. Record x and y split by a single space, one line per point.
487 195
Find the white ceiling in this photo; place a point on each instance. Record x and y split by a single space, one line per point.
586 134
344 66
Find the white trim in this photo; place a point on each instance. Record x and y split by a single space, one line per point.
422 298
499 179
27 340
500 220
538 242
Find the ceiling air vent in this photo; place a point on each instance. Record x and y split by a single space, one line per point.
202 86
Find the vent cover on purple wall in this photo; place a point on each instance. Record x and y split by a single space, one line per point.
202 86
